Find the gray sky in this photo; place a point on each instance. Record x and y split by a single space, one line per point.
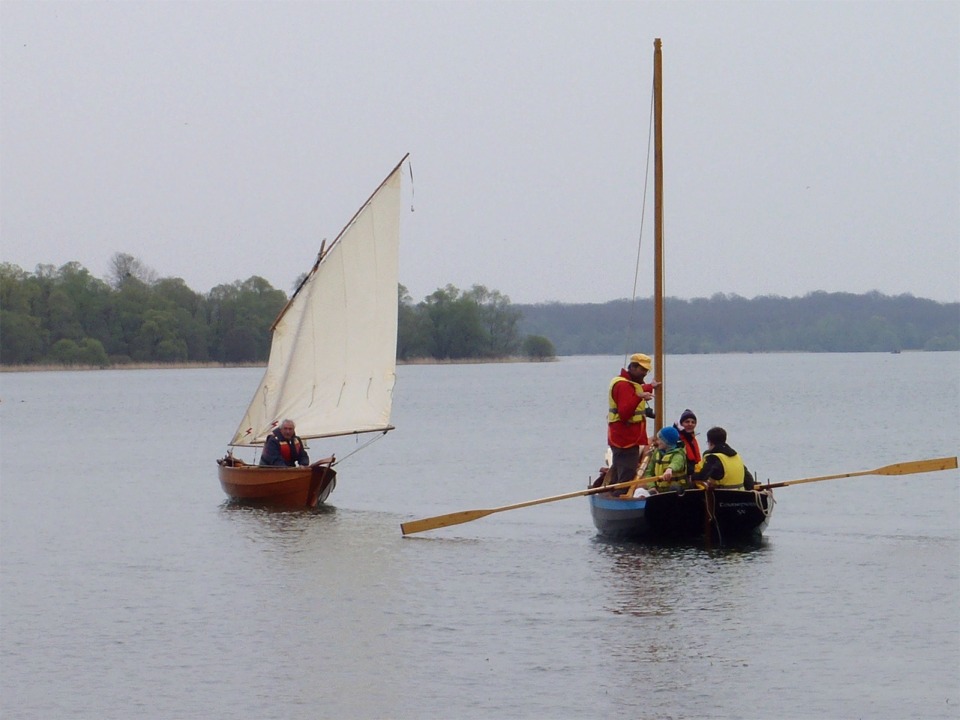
808 145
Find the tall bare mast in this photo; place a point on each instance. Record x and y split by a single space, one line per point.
658 232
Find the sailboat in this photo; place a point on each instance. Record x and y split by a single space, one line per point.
718 514
332 363
713 515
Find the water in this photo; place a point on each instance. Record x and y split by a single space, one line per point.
130 588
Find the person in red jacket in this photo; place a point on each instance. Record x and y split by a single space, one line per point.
687 429
627 400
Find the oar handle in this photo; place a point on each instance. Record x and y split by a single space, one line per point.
579 493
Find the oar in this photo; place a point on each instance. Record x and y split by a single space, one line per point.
906 468
464 516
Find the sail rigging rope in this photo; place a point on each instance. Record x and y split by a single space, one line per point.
710 507
770 501
643 213
366 444
412 190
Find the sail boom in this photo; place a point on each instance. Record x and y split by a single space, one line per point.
359 431
363 431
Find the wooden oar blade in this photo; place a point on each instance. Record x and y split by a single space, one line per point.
920 466
432 523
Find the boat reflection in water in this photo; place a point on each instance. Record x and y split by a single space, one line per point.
657 580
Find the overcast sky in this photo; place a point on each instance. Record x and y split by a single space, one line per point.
808 145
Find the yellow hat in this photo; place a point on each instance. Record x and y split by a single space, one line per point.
642 360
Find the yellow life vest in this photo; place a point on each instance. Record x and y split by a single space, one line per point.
733 470
613 414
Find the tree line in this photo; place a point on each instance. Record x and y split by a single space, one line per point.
67 316
816 322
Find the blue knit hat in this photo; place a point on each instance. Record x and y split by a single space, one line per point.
670 436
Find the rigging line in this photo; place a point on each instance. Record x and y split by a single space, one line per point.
368 442
413 192
643 213
710 507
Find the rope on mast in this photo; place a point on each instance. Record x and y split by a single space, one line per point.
643 214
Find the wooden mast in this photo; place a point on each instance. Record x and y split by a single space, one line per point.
658 234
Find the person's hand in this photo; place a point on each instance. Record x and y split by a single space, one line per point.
655 383
668 475
645 396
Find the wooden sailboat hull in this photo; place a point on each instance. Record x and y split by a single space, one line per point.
723 515
297 487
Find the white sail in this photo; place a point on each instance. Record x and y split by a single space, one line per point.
333 354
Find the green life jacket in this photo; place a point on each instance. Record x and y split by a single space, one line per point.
668 459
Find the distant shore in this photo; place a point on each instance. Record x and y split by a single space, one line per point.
53 367
207 365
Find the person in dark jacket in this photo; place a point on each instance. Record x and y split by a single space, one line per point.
284 448
723 467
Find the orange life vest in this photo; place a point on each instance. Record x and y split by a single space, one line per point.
290 450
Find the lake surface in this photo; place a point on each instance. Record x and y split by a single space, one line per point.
130 588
